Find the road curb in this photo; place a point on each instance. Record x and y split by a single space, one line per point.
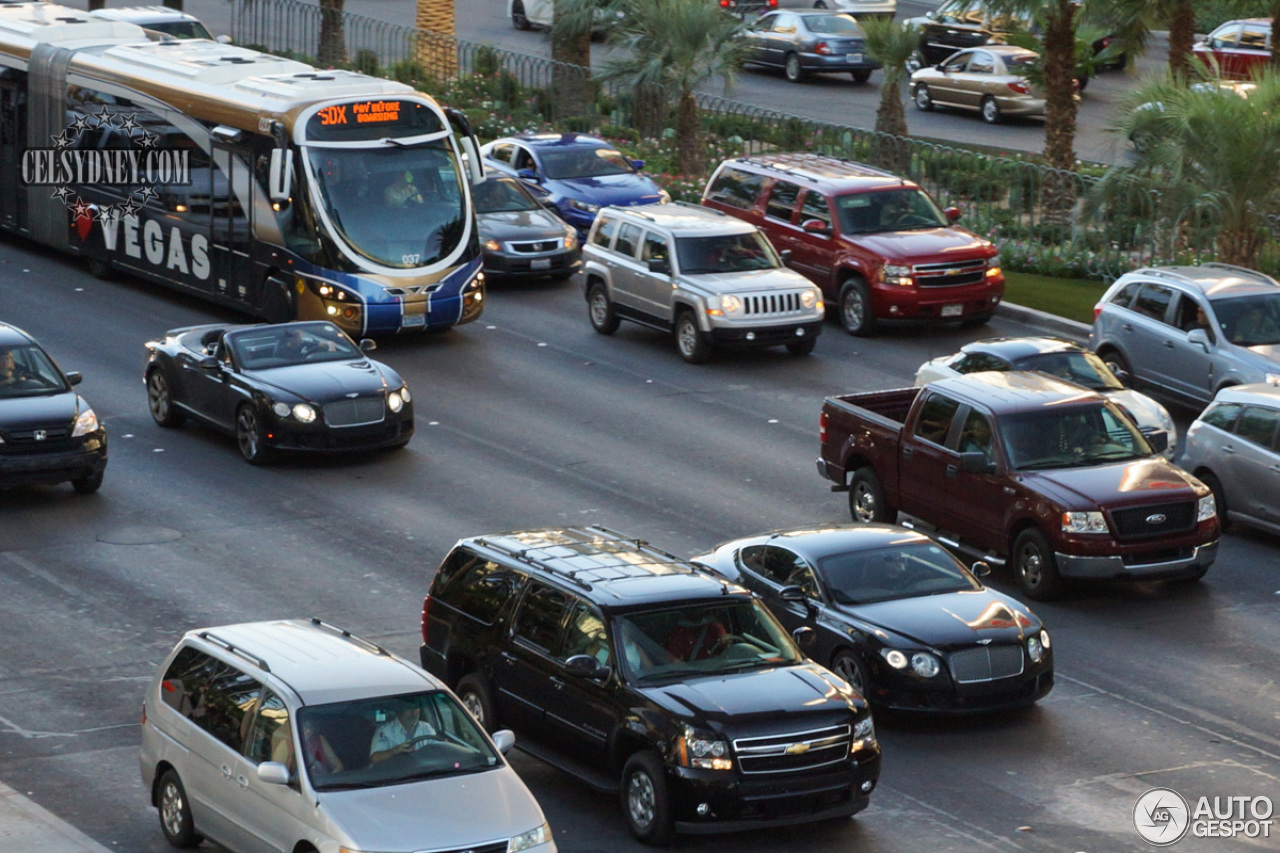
1050 322
26 827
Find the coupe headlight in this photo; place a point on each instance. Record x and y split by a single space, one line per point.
405 395
1083 522
493 245
532 838
894 658
1035 650
394 401
703 751
281 410
664 197
570 238
897 274
584 206
730 304
86 423
925 665
1206 508
809 298
304 413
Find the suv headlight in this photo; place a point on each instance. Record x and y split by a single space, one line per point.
86 422
532 838
1206 508
809 298
897 274
582 205
703 751
1083 522
730 304
864 730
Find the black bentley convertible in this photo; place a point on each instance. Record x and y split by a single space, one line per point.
290 386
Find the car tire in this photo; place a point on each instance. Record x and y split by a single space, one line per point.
819 4
98 269
519 19
846 665
862 75
160 400
794 70
1117 364
867 504
176 822
803 346
1082 82
474 696
922 98
991 110
88 484
249 436
855 308
915 62
280 305
1219 497
600 310
691 343
644 799
1034 565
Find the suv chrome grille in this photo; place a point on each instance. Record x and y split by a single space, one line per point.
346 413
793 751
760 304
986 663
1141 522
955 274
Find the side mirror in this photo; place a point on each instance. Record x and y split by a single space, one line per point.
953 214
1200 337
976 462
529 175
785 254
815 226
1158 439
223 39
585 666
368 345
504 739
638 165
280 175
980 569
805 637
660 265
791 593
273 773
209 364
74 377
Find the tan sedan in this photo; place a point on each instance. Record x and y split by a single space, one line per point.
989 80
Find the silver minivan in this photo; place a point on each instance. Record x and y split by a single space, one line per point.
297 735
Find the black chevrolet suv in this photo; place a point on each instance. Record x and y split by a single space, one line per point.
640 673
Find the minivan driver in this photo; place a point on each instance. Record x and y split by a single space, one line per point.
400 734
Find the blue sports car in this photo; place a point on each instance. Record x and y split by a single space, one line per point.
578 174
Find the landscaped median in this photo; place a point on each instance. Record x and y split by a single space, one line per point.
1069 298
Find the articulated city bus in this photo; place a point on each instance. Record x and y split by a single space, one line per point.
253 181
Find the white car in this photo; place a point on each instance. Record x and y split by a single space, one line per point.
539 14
161 19
1061 358
861 8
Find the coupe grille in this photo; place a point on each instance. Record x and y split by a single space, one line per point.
347 413
1142 522
533 247
955 274
760 304
986 663
794 751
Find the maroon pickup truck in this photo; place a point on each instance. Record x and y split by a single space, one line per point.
1024 468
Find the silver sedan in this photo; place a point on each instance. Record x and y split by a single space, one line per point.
990 80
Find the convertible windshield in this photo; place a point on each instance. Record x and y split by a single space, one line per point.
263 347
397 205
1082 368
902 209
1250 321
566 163
702 639
502 195
900 571
726 253
26 371
1071 437
390 740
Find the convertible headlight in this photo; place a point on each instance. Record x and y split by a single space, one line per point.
394 401
582 205
1044 639
1083 522
405 395
703 751
86 423
281 410
897 274
894 658
1035 650
809 298
1206 508
730 304
532 838
304 413
925 665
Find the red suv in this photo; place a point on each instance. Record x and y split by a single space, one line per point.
1237 47
877 244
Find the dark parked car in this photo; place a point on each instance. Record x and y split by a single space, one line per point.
519 235
48 433
644 675
896 616
802 43
292 386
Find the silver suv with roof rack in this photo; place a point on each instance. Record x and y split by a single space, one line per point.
1190 331
710 279
298 735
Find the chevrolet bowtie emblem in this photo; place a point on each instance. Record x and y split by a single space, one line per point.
797 749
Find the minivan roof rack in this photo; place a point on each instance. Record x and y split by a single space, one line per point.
235 650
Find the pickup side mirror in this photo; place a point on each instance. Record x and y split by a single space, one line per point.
504 739
1158 439
1199 337
661 266
74 377
976 462
585 666
368 345
805 637
980 569
815 226
953 214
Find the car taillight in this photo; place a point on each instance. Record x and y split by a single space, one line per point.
1019 87
822 427
426 602
1097 309
725 4
822 47
144 713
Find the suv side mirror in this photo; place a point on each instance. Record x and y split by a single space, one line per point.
815 226
504 739
805 637
660 265
585 666
976 462
1200 337
953 214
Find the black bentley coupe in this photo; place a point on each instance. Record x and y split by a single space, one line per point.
291 386
894 614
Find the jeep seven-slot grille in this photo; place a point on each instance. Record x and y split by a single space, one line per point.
793 751
986 663
955 274
757 304
1141 522
346 413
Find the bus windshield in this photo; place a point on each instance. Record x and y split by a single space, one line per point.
397 205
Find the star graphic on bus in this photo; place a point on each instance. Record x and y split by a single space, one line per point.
81 123
147 194
147 140
62 140
82 210
108 214
129 123
105 117
61 194
130 208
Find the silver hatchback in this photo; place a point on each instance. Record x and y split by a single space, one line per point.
1234 448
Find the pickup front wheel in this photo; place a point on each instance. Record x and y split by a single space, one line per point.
866 499
1035 566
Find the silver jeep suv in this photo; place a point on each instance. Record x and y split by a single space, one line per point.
709 278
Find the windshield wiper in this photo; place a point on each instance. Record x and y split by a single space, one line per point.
390 140
346 786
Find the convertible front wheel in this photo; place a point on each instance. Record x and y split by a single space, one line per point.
249 436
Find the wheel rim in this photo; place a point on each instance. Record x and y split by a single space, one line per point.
687 337
158 396
990 111
922 98
847 668
1031 566
472 703
517 15
865 506
171 809
793 68
599 308
852 309
640 799
247 433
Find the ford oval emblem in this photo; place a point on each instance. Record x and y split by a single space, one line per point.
1157 518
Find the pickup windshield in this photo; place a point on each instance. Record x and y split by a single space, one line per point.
1078 436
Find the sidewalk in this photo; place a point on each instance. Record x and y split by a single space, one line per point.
27 828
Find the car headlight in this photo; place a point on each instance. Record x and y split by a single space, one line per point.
664 197
1035 650
730 304
281 410
864 730
394 401
493 245
86 423
1206 508
1271 378
1166 422
405 395
304 413
703 751
993 262
897 274
894 658
570 238
1044 639
809 298
532 838
925 665
584 206
1083 522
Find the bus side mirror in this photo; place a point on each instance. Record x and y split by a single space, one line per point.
281 174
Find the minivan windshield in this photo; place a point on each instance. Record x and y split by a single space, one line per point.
391 740
702 638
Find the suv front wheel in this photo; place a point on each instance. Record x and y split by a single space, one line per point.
690 341
855 308
603 318
474 696
644 799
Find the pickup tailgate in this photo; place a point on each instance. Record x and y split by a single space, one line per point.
863 429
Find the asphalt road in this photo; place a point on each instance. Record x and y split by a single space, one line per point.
529 418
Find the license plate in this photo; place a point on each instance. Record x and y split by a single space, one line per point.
952 310
853 57
409 320
540 264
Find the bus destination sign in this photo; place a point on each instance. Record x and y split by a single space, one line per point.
369 120
364 112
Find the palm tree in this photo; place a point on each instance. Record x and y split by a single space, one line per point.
571 45
892 45
437 52
332 49
1208 153
1133 20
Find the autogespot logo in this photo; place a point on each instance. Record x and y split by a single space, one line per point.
1161 816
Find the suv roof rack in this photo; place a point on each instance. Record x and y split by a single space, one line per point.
235 650
1239 270
345 634
798 170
